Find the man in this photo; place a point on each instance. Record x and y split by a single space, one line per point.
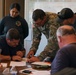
67 16
43 23
10 46
66 55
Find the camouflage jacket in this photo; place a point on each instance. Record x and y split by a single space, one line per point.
49 30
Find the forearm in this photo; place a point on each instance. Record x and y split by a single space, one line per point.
4 57
49 51
35 45
33 49
36 39
44 54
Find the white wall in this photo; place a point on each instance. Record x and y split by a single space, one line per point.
54 6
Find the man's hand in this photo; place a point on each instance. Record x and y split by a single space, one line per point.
33 59
16 58
30 54
20 53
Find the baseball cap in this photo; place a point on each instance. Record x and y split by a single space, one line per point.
65 13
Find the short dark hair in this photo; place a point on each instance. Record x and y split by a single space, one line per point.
15 5
13 33
38 14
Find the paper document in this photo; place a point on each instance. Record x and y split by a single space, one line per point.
17 63
4 64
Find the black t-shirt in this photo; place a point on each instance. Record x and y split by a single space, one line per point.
7 50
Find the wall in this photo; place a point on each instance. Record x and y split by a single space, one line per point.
54 6
1 9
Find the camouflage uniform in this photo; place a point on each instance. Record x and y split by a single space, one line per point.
49 30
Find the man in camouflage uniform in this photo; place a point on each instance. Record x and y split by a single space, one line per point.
43 23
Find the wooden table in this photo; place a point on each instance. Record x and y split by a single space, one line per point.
18 68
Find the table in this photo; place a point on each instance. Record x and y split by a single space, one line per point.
18 68
34 71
